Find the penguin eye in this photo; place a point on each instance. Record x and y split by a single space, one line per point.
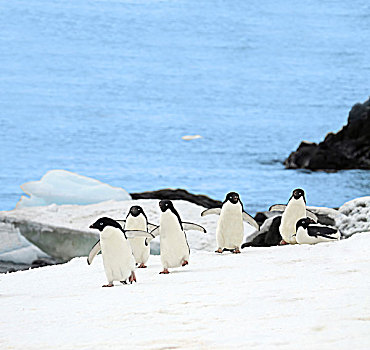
101 223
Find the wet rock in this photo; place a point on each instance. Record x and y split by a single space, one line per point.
178 194
347 149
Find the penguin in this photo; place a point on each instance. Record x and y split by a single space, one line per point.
230 229
174 247
293 211
118 260
308 232
137 220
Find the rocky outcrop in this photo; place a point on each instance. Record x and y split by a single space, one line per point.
347 149
181 194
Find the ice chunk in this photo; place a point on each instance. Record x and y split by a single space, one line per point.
355 216
15 248
191 137
65 187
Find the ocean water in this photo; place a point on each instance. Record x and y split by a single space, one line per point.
107 88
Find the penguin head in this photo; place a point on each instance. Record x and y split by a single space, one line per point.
102 223
136 210
298 193
305 222
232 197
166 204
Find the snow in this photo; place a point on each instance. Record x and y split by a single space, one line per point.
291 297
63 231
64 187
355 216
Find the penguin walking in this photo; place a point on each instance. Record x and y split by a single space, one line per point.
230 228
137 220
118 260
293 211
308 232
174 246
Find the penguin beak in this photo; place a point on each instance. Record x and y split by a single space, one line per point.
92 226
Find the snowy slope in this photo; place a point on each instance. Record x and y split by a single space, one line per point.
291 297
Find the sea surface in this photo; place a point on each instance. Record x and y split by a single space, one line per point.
108 88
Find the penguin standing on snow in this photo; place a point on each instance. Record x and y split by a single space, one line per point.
174 246
230 228
137 220
308 232
293 211
118 260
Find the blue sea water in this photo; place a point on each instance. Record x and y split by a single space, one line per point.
107 88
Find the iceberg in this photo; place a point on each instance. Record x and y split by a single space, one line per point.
15 248
64 187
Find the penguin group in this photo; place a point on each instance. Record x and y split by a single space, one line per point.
125 243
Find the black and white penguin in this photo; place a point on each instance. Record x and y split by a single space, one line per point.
118 260
230 228
308 232
293 211
174 246
137 220
139 245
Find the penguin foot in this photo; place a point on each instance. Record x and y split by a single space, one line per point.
282 242
108 285
164 272
219 250
236 251
132 278
123 282
185 263
142 266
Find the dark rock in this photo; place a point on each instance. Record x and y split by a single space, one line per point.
347 149
42 262
262 216
268 236
176 194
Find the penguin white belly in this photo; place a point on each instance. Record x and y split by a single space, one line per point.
230 229
174 247
295 210
117 255
140 251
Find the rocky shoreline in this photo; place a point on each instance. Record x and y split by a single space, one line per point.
347 149
350 218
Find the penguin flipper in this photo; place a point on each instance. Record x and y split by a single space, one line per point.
151 227
154 233
189 226
322 231
94 252
138 233
311 215
277 207
216 211
247 218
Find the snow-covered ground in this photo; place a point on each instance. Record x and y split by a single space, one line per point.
291 297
